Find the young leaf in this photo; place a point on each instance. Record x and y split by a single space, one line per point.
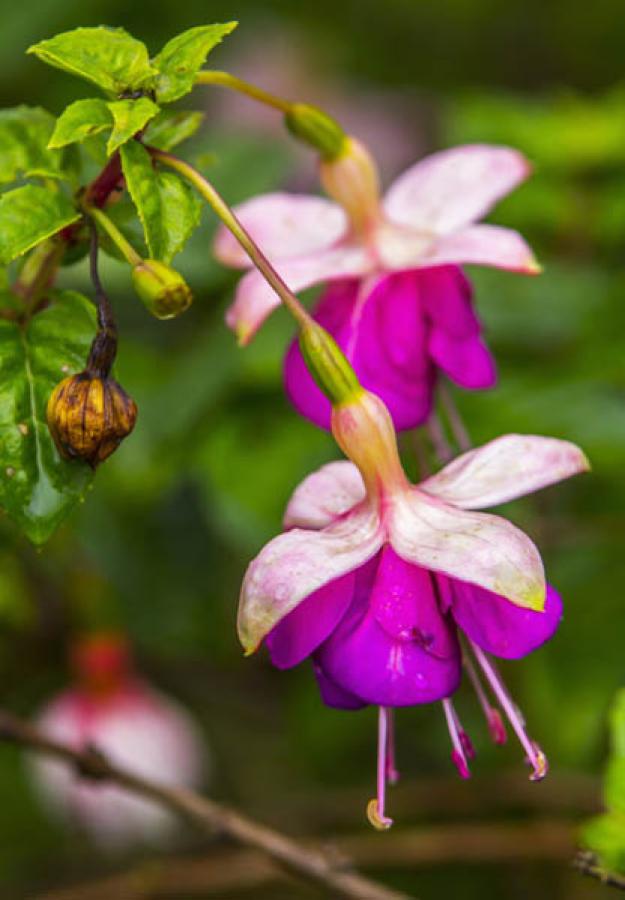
108 57
181 58
605 834
129 116
29 215
24 135
181 210
143 188
38 488
79 121
171 127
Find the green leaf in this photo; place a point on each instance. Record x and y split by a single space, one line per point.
142 186
108 57
129 116
29 215
172 127
79 121
38 488
181 58
181 210
167 206
24 135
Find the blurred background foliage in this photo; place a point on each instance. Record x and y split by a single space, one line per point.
161 542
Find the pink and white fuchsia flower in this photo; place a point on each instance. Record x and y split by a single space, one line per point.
135 727
397 302
375 578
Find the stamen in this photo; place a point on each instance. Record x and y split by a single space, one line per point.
392 773
535 756
375 807
458 754
496 726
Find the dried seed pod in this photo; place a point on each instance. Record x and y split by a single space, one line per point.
163 290
89 415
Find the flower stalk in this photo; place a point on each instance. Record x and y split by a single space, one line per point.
225 79
305 122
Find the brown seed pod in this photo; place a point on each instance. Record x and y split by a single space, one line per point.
89 416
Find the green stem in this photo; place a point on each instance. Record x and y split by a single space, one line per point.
224 79
223 211
126 249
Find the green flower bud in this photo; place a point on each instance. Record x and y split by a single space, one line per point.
89 416
327 364
316 128
163 290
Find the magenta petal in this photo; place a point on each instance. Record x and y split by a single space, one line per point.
363 657
310 623
467 361
333 695
499 626
447 298
384 335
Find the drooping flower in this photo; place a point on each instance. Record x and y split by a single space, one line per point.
136 727
396 301
375 578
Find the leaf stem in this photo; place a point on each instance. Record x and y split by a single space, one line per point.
225 79
223 211
126 249
38 272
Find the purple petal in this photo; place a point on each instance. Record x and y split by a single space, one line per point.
393 648
333 695
501 627
448 300
384 335
467 361
310 623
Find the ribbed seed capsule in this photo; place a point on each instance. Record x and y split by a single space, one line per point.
89 416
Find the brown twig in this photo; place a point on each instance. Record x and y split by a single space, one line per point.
548 840
589 864
210 817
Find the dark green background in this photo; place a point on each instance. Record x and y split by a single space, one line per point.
161 542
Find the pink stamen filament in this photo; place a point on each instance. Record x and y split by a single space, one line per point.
496 726
375 807
458 755
535 756
392 774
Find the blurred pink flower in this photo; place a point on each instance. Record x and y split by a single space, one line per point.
398 305
114 711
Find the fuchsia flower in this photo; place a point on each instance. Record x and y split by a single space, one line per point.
397 302
375 578
133 725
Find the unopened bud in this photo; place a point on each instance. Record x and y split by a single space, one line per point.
316 128
163 290
89 415
327 364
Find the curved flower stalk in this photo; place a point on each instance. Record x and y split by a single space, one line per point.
376 578
396 301
114 711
